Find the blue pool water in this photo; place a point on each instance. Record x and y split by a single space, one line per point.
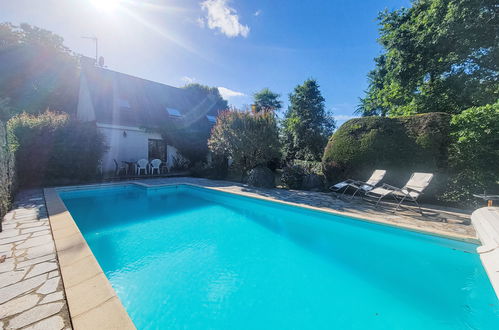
184 257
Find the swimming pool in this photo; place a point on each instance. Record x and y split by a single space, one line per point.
194 258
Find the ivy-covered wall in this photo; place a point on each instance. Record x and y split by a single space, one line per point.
401 145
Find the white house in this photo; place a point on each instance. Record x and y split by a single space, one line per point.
129 110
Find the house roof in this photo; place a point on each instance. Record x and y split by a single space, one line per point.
140 102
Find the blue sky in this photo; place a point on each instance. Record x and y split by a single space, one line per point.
239 46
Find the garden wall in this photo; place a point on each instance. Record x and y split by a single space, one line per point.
401 145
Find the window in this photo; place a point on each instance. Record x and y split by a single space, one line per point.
173 113
211 119
157 149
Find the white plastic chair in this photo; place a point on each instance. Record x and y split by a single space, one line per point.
155 164
142 166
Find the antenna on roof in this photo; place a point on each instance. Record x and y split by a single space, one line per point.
94 38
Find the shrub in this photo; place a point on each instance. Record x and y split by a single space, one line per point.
52 149
248 139
199 170
261 176
401 145
474 154
309 166
217 169
292 177
6 173
180 163
313 182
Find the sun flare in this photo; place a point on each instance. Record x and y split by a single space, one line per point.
106 5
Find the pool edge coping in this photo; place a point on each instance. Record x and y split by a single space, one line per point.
92 301
485 221
367 218
106 307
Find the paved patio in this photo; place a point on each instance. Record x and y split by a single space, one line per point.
31 290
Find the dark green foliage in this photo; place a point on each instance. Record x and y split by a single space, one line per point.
208 96
37 71
199 170
309 166
6 173
190 135
400 145
180 163
190 139
474 154
303 174
440 55
266 100
217 169
52 149
313 182
307 125
261 176
292 177
249 139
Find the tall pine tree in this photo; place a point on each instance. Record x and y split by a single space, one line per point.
307 125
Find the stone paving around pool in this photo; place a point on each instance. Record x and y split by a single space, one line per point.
31 290
440 220
32 295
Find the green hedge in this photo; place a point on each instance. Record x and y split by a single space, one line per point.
51 149
6 173
292 177
401 145
309 166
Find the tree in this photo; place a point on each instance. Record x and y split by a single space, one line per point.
208 98
307 126
474 154
190 135
266 100
249 139
440 56
38 72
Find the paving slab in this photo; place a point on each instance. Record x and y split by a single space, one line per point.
35 314
18 305
31 266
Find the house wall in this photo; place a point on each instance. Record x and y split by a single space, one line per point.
131 147
85 109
